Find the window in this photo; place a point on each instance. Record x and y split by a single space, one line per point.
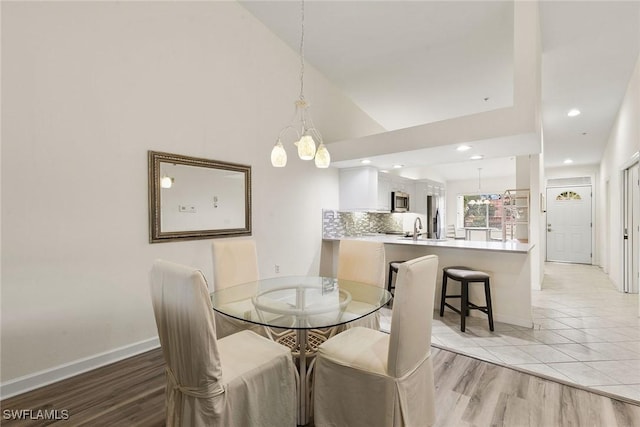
568 195
479 210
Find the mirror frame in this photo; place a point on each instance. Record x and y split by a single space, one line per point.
156 235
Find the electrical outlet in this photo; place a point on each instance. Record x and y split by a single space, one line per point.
187 208
277 269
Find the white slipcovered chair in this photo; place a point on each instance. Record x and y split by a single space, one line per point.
234 262
362 261
369 378
241 380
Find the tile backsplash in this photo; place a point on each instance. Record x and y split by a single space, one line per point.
336 224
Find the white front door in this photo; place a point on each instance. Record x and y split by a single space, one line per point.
569 224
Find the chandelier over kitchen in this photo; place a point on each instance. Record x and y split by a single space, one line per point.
306 134
483 200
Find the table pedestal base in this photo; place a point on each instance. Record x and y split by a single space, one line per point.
304 345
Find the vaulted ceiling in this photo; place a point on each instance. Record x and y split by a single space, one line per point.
409 63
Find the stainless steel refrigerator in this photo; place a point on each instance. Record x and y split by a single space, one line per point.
434 222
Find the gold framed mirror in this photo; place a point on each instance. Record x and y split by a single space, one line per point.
194 198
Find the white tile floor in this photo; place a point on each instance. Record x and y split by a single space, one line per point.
585 332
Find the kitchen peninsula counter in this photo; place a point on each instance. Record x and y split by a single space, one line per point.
508 263
392 239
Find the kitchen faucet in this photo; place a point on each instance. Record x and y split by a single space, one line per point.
416 228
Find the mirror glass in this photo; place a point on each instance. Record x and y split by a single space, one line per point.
195 198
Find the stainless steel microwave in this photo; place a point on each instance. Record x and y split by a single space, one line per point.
399 201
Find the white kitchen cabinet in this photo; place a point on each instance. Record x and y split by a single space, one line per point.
384 192
359 189
366 189
426 188
419 201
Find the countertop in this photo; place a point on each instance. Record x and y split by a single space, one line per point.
497 246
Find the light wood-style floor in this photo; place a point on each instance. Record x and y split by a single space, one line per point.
469 392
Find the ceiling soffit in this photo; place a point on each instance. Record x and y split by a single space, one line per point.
521 119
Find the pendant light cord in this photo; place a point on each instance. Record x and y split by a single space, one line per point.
302 50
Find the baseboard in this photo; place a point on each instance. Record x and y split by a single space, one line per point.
48 376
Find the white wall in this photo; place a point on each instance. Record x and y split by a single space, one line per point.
88 88
623 142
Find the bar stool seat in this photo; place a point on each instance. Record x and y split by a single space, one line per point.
466 275
393 268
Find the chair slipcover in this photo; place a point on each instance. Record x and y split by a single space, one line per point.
362 261
234 262
241 380
368 378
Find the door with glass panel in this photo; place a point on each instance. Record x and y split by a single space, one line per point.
569 224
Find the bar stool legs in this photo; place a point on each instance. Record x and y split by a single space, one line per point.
465 275
393 268
443 294
487 297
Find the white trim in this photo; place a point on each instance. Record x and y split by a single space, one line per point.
48 376
552 184
635 158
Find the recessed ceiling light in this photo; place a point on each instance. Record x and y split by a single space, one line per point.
568 161
573 112
397 166
476 157
384 171
463 147
365 161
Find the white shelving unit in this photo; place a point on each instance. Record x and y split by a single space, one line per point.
515 215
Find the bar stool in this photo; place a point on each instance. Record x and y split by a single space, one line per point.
393 268
466 275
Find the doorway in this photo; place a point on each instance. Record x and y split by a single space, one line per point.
631 229
569 224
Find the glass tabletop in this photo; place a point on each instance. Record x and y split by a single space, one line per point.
300 302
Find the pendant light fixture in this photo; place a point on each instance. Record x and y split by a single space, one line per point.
483 200
305 132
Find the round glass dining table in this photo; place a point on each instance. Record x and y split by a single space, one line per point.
300 312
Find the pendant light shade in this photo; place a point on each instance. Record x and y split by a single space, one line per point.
306 134
278 155
323 158
306 147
